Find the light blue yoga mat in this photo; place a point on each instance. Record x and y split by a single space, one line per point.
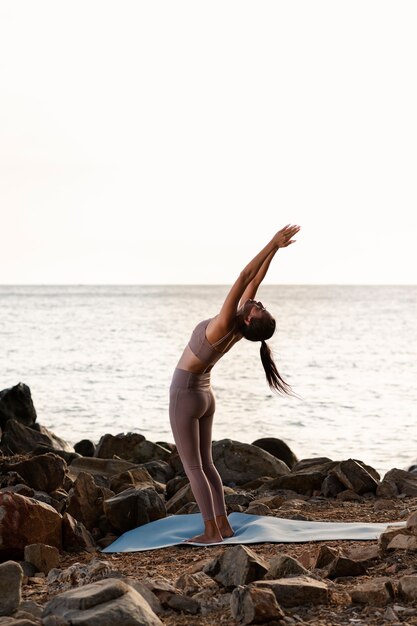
173 530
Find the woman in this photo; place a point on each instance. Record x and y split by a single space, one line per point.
192 402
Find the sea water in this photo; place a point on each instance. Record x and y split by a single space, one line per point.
99 359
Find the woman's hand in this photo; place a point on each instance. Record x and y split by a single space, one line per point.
283 238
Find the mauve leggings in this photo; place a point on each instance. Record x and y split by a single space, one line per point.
191 410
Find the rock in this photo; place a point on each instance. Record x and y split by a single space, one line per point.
242 499
100 467
75 536
284 566
353 475
411 523
131 447
236 566
179 499
251 605
239 463
11 577
316 464
278 448
388 535
85 501
136 477
161 471
331 486
24 521
191 583
258 508
20 439
102 603
42 556
325 556
122 446
396 482
297 591
376 592
342 566
134 507
85 447
407 587
301 482
16 404
79 574
403 541
42 473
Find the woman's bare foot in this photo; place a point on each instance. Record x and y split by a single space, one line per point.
211 534
224 527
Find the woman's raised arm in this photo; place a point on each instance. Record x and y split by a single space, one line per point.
246 285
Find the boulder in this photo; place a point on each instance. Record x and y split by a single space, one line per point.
42 473
285 566
182 497
75 536
136 477
24 521
11 578
85 501
252 605
85 447
16 404
376 592
397 482
278 448
99 467
131 447
20 439
42 556
236 566
134 507
353 475
239 463
102 603
297 591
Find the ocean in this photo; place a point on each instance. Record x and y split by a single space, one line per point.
99 359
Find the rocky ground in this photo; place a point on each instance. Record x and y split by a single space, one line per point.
169 565
59 506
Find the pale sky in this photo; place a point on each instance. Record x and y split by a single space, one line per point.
167 141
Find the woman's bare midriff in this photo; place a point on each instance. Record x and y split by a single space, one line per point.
190 363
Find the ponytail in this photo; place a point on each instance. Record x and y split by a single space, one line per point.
275 381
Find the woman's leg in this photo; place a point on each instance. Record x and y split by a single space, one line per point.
213 476
184 406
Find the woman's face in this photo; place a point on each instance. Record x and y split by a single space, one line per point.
254 308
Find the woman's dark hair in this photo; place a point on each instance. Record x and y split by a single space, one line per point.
261 329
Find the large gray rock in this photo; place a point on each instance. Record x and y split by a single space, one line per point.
236 566
131 447
239 463
278 448
16 403
355 476
251 605
102 603
297 591
134 507
396 482
85 501
19 439
43 473
11 577
99 467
